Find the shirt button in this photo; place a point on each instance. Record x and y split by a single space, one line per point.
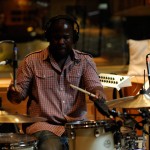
61 88
63 101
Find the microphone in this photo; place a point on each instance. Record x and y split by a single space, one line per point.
5 62
148 66
15 62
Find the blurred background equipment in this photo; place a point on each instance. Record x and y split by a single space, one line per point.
114 81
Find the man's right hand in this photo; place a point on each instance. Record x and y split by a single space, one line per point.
13 94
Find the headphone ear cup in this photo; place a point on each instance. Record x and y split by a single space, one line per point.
75 36
46 35
47 27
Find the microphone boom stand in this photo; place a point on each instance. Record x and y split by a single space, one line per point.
15 64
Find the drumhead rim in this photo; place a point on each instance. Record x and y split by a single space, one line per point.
86 124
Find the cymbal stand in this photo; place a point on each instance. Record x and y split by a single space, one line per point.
143 141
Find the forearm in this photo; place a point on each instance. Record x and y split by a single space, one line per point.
20 91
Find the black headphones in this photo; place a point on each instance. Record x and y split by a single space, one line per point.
65 17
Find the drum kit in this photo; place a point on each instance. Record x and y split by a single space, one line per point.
119 133
111 134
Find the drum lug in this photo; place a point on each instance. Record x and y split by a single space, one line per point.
72 134
97 133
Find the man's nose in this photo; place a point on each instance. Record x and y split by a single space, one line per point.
61 41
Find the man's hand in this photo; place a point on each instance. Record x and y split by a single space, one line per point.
13 94
100 102
99 94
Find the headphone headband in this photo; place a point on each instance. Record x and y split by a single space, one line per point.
65 17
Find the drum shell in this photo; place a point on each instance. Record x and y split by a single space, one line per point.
89 137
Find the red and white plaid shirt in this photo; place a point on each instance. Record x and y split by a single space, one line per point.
49 91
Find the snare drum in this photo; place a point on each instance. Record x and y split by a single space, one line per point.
89 135
17 142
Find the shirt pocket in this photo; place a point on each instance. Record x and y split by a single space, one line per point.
45 78
74 77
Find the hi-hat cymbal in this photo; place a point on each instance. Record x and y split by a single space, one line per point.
138 101
6 117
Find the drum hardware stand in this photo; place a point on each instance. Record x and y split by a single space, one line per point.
130 140
144 142
118 133
118 136
144 133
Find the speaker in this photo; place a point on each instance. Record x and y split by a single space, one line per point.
67 18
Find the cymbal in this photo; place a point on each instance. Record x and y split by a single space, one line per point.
138 101
6 117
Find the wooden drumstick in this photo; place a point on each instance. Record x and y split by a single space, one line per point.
90 94
84 91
